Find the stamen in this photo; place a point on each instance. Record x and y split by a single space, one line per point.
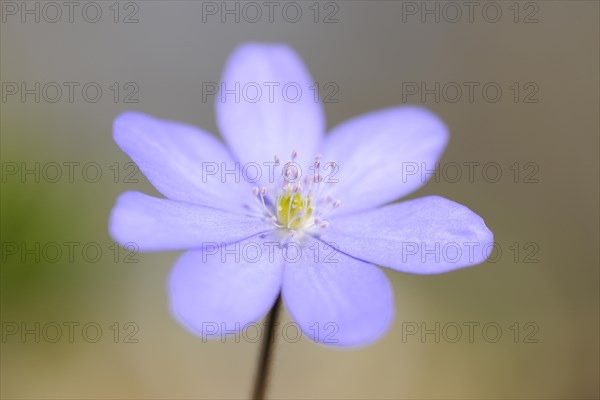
275 222
262 192
291 201
306 203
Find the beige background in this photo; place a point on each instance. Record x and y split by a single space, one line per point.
369 53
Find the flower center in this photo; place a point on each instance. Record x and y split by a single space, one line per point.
299 200
293 210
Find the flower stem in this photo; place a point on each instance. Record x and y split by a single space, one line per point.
264 362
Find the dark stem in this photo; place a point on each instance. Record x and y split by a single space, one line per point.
264 362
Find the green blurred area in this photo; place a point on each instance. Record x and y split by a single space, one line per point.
368 53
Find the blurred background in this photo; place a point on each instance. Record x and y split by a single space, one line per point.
81 320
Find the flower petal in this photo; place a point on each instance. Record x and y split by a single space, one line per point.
153 224
266 105
216 292
382 155
337 300
181 161
428 235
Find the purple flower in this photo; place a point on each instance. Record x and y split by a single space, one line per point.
257 224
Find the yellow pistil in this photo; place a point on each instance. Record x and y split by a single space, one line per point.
293 211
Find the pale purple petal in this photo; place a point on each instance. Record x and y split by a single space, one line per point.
428 235
182 162
336 300
277 121
151 224
222 292
382 155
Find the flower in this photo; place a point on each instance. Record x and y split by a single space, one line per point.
227 206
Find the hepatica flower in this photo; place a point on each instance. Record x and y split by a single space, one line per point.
284 209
